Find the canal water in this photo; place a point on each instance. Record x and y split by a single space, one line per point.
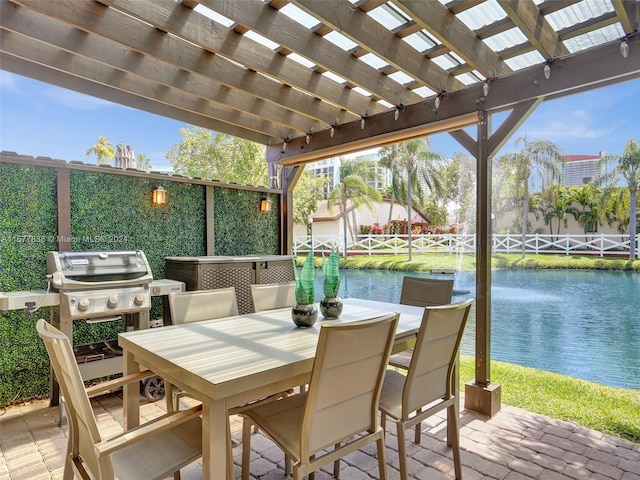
581 323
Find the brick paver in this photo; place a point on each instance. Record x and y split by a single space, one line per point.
514 445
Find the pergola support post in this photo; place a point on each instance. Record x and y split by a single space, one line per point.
481 395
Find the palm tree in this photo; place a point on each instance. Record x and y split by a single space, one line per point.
353 187
587 211
388 160
627 167
103 150
540 156
421 166
554 202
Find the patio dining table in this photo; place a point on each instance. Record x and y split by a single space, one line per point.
231 361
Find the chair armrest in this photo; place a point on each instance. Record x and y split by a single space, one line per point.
117 382
158 425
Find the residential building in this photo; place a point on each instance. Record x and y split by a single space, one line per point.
580 169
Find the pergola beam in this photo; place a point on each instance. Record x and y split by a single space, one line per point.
597 67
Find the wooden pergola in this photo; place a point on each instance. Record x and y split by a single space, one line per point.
312 79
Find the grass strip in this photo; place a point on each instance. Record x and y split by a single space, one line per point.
615 411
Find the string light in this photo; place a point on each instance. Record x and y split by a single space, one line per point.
436 103
624 47
547 70
396 114
308 138
284 144
362 123
485 88
333 131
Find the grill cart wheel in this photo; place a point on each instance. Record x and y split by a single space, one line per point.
152 388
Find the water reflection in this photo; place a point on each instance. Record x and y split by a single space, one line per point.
582 323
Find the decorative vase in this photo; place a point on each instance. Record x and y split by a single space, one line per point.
304 315
331 307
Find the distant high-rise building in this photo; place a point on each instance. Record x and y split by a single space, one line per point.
580 169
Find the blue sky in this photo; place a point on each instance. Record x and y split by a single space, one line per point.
43 120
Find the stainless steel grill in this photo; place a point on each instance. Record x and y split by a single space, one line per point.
99 287
100 284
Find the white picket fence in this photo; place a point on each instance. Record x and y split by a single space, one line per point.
589 244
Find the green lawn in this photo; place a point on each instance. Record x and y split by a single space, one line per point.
615 411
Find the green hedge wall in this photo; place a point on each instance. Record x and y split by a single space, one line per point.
108 212
240 227
27 231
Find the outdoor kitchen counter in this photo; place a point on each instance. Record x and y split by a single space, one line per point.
211 272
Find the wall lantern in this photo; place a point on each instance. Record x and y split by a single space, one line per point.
265 204
158 196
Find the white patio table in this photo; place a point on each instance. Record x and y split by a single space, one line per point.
231 361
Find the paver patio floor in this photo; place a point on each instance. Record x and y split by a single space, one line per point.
514 444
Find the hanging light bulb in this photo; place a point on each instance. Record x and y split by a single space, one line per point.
485 88
333 131
308 138
436 103
547 71
396 114
624 48
362 123
284 146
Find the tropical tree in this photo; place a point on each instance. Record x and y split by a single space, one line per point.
206 154
587 205
388 160
460 186
422 168
554 202
535 156
103 150
616 207
309 190
353 190
627 166
143 162
504 189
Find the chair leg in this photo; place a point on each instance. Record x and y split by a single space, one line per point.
453 436
336 464
382 459
402 451
418 428
176 475
383 421
287 465
246 447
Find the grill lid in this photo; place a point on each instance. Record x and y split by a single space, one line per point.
91 270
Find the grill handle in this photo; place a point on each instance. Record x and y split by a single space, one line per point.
103 319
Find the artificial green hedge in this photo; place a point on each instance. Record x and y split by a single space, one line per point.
108 212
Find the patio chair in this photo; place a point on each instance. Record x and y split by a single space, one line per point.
193 306
340 407
269 296
421 292
153 450
429 384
